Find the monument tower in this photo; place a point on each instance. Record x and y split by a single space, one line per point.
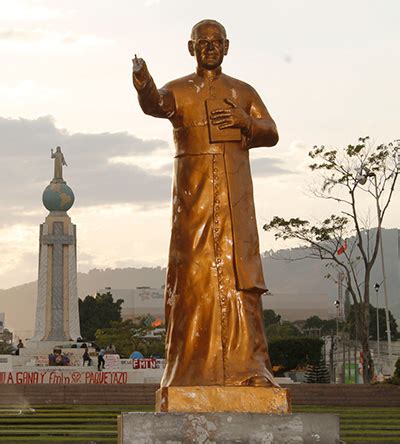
57 314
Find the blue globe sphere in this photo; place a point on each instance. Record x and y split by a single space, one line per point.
58 197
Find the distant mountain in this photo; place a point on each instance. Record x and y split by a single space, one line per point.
123 278
19 303
306 276
297 285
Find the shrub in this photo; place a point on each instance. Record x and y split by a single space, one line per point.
291 353
395 379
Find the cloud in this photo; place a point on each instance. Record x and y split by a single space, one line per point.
160 163
27 167
264 167
43 39
28 91
103 168
150 3
13 10
17 246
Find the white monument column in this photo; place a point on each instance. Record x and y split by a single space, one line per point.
57 314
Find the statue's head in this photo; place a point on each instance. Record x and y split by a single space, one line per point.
58 149
208 43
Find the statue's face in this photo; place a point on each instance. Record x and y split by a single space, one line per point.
209 46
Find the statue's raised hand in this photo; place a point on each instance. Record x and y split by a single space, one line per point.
140 72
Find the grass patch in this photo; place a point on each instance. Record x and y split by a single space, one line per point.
61 420
374 440
45 440
362 424
98 424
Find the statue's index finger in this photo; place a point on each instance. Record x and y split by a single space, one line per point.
138 63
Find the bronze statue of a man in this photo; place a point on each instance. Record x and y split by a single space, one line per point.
215 334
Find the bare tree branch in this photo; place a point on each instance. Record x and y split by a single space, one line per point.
364 167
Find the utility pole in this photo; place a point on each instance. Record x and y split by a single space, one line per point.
389 336
337 305
376 287
379 233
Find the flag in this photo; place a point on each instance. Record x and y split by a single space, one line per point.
342 249
156 323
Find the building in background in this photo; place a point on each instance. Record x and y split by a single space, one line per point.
139 301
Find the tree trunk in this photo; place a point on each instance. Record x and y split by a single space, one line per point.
331 360
368 364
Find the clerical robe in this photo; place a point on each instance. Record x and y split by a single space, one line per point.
214 279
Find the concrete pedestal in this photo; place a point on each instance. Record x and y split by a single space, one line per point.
57 312
224 428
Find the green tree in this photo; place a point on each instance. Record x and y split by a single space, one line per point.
292 353
282 331
326 327
6 336
98 312
353 327
5 348
120 334
313 322
270 317
395 379
129 336
347 174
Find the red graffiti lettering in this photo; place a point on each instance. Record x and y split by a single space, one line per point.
58 377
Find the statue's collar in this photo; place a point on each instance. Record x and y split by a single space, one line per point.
207 73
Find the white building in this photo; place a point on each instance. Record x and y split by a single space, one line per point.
139 301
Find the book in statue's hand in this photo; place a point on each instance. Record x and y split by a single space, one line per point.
216 134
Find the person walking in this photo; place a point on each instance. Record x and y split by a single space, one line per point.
100 360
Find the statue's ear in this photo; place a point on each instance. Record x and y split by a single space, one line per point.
191 47
226 47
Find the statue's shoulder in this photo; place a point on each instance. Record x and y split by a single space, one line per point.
238 84
181 82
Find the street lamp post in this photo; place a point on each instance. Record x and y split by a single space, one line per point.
376 287
385 292
337 305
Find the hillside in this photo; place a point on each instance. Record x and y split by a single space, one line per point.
22 320
298 283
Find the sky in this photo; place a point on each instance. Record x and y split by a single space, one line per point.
327 71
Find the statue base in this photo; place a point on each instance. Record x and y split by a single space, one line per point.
218 428
223 399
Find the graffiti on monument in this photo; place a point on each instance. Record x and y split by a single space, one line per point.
147 363
62 377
